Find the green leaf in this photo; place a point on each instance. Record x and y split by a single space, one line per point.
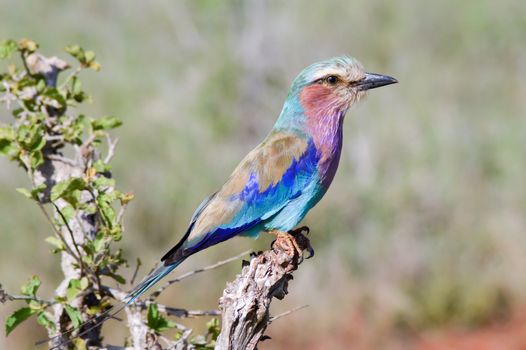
9 149
156 321
99 242
76 286
117 277
101 167
36 159
76 90
153 316
68 211
38 142
8 146
77 86
36 305
80 344
41 85
84 283
116 233
17 111
33 194
7 47
107 211
73 289
24 191
102 183
57 243
65 188
44 320
213 328
54 241
89 55
16 318
73 132
74 315
7 132
36 191
105 123
77 52
31 137
31 287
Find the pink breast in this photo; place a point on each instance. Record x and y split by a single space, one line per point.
324 116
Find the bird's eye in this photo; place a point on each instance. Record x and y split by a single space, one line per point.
332 79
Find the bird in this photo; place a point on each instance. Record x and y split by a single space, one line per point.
286 175
282 178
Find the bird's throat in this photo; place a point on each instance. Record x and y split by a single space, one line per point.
326 131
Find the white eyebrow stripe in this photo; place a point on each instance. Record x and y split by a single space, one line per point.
329 71
346 73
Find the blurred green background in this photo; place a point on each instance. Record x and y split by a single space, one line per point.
423 232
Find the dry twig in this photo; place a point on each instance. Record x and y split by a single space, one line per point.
194 272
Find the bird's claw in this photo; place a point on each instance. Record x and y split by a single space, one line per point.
294 242
304 230
287 242
310 250
299 235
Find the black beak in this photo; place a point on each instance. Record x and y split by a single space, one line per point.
373 81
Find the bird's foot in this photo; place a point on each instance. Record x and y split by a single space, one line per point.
287 242
300 236
294 242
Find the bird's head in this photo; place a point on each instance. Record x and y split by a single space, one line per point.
334 85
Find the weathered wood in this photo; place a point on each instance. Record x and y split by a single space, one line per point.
246 301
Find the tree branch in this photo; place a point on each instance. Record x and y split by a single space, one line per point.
5 297
72 237
246 301
286 313
111 148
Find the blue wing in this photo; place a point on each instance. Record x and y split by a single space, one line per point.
269 178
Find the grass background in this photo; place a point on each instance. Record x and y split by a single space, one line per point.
424 227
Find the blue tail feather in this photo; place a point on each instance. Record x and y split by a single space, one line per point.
149 281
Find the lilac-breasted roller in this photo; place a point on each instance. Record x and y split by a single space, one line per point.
280 180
